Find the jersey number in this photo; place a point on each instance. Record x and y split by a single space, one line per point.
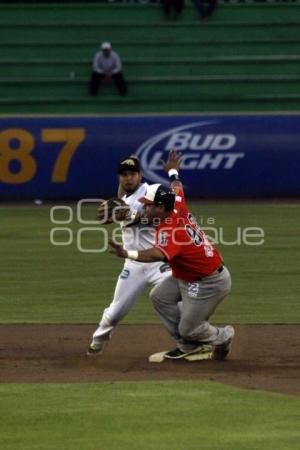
194 235
198 236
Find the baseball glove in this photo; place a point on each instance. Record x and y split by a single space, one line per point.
112 210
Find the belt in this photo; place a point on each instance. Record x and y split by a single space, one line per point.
219 270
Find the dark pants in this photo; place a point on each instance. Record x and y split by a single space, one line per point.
97 79
205 7
168 5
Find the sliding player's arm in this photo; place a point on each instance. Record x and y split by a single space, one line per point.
172 166
150 255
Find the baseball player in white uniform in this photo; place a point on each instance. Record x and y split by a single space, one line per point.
135 276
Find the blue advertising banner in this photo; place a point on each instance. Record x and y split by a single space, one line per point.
222 155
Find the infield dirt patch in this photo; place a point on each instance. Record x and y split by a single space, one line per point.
263 356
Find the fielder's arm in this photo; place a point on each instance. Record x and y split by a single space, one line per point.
151 255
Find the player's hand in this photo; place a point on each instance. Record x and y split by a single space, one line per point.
112 210
121 213
117 249
173 161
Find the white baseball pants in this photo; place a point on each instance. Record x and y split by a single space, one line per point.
133 280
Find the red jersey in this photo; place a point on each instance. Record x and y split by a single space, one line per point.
188 250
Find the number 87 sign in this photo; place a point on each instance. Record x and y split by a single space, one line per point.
17 162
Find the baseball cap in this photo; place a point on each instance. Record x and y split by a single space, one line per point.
159 195
106 45
130 163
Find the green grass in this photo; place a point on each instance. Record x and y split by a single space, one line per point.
151 416
44 283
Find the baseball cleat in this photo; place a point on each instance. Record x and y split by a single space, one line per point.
221 351
199 354
179 354
176 354
95 348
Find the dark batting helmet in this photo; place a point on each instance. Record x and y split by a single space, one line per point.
157 194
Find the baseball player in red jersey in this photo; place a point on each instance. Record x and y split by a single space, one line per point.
199 280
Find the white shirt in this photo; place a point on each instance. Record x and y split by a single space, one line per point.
137 236
109 65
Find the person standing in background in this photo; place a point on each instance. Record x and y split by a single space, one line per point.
107 66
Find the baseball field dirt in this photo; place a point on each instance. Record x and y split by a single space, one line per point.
263 356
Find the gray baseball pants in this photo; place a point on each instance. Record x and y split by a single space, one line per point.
188 324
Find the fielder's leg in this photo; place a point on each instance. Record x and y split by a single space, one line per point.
131 284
